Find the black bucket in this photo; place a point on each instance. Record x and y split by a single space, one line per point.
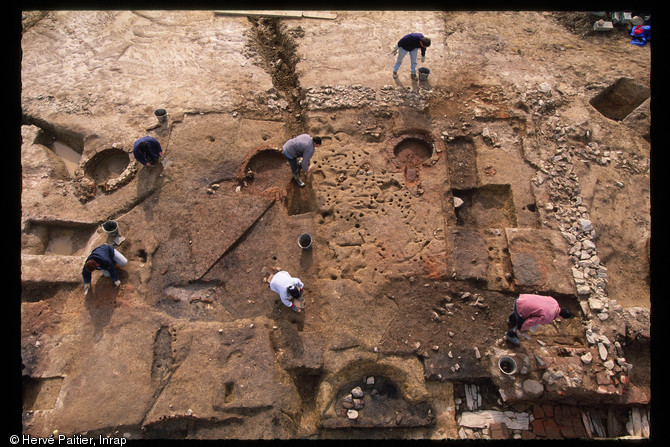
305 241
111 228
161 115
423 73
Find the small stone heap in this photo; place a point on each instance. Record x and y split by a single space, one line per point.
353 402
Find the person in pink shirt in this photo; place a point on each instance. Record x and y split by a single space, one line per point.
530 311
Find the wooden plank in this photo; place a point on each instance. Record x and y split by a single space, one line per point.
283 14
319 15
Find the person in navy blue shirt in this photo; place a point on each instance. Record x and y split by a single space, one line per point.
410 44
147 150
104 258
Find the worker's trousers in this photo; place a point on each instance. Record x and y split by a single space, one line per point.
119 259
412 57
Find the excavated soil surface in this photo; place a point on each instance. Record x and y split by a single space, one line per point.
431 205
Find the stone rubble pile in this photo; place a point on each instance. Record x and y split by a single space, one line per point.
356 96
566 206
353 402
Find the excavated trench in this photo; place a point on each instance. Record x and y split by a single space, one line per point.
277 50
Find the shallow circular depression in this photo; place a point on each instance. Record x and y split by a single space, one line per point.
267 167
412 151
107 164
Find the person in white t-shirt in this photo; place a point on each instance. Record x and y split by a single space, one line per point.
290 289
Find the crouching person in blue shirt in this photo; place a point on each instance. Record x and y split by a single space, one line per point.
147 151
103 258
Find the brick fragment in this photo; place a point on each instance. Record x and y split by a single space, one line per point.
552 429
498 430
538 428
527 434
548 410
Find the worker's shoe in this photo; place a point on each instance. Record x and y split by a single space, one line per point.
414 76
298 181
512 338
395 74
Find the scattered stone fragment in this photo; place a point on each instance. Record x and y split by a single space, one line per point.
352 414
533 388
602 351
357 392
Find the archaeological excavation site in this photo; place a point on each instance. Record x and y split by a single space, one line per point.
517 162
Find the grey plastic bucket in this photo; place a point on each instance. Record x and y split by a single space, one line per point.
507 365
423 73
161 115
305 241
111 228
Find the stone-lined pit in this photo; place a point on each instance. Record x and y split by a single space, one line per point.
379 404
106 165
266 168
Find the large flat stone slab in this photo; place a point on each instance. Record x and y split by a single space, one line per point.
540 260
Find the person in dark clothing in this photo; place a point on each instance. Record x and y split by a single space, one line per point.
303 147
147 150
410 44
104 258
